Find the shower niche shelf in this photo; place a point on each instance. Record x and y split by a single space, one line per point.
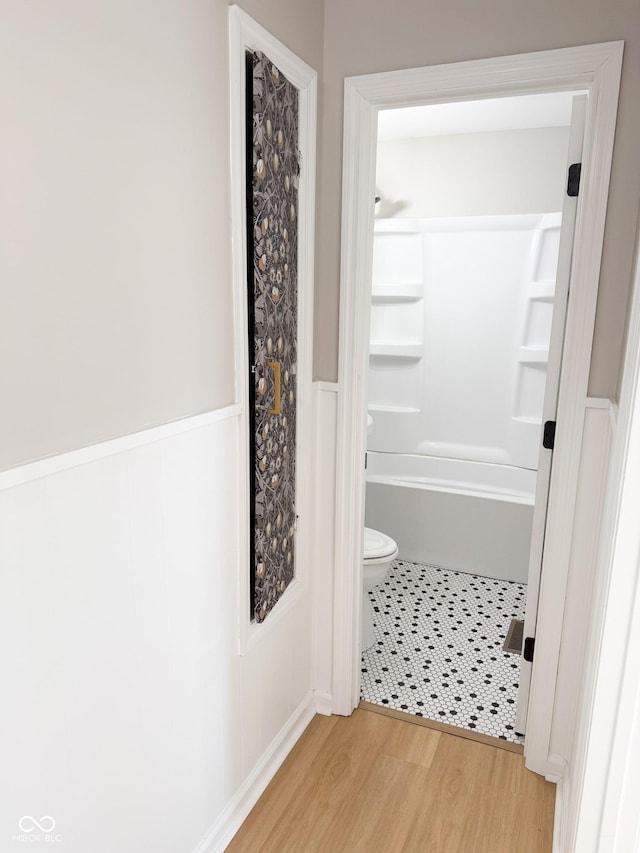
523 419
542 291
404 410
397 350
397 293
533 355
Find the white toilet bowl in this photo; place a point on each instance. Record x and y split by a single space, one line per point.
379 552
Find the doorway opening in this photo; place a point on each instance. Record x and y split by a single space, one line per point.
592 68
463 371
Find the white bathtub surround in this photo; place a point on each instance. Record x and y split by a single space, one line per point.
459 339
129 715
467 516
438 651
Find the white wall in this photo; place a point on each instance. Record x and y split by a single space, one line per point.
473 174
128 714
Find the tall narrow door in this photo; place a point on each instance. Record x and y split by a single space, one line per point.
550 405
272 280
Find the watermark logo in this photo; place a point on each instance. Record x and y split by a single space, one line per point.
37 830
45 824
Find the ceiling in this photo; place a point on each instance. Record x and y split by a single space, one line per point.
491 114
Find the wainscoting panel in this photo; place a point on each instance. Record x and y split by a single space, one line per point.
598 441
326 405
594 467
128 714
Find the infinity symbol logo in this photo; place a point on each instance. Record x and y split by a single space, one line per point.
45 824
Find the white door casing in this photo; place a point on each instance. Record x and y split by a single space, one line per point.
245 34
596 69
550 405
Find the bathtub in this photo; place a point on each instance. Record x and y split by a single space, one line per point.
469 516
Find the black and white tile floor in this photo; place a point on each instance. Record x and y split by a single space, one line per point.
438 650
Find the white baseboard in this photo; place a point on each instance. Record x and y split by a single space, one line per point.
323 703
233 815
332 387
556 767
558 820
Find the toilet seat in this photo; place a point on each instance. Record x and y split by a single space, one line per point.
378 545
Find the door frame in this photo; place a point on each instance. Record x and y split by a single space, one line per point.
550 404
596 69
246 34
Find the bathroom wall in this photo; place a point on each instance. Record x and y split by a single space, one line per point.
366 36
473 174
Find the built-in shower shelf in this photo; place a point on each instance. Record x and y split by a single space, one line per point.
404 410
525 420
533 355
397 292
542 291
397 350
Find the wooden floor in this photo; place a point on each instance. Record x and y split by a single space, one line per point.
376 784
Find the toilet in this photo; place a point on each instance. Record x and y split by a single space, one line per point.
379 552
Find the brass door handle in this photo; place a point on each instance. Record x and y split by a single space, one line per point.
275 366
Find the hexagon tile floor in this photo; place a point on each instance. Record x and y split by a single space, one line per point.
438 650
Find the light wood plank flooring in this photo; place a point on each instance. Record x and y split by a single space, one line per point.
373 783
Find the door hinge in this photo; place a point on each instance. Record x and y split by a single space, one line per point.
549 435
529 648
573 182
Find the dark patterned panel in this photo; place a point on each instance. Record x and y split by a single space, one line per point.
275 285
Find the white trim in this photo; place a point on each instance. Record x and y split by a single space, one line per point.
84 455
574 380
565 69
358 192
235 812
556 766
323 703
605 403
597 443
558 819
597 403
550 403
604 733
595 68
254 632
326 402
331 387
614 414
245 34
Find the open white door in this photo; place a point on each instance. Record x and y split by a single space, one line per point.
574 155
